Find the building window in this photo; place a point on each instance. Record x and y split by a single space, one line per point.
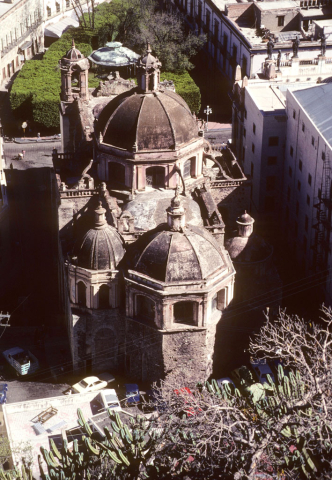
297 208
254 128
319 193
270 183
49 11
155 177
299 185
312 141
253 148
189 168
306 223
291 151
309 179
57 6
252 170
281 20
104 296
245 113
323 155
271 160
81 294
244 132
303 127
184 313
288 194
294 114
300 165
290 171
308 200
218 300
273 141
67 3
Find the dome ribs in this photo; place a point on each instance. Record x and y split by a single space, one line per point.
169 121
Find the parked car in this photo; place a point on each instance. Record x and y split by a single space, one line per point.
133 396
225 381
3 393
262 370
89 384
188 398
21 360
109 399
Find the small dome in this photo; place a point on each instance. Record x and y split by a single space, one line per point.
177 256
101 247
248 249
245 219
143 122
73 54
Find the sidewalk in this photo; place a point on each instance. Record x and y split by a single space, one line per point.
53 138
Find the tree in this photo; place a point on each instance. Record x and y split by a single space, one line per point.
282 429
166 33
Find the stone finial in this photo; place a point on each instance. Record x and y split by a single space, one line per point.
245 81
73 43
176 217
99 214
238 74
148 48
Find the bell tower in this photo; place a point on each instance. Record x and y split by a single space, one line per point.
74 62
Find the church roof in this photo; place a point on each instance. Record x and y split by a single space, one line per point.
147 121
101 247
178 256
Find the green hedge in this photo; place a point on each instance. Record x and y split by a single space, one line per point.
186 87
35 94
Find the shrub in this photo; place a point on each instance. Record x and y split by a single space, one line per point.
186 88
35 94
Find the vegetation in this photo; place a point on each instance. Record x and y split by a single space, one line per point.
35 93
280 430
186 87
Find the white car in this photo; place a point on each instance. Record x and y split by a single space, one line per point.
90 384
262 370
225 380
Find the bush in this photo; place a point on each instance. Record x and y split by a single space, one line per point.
186 88
35 94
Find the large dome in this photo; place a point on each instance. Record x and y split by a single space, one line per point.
101 247
177 256
147 121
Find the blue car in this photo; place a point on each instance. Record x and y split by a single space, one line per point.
132 394
3 393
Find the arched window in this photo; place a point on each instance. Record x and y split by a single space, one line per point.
189 168
104 296
81 294
155 177
145 308
184 312
116 173
219 300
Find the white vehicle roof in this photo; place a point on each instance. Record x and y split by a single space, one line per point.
90 379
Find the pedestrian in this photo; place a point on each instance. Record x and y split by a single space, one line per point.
23 153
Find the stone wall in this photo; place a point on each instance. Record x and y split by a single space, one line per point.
232 200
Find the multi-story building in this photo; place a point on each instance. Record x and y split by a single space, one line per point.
22 34
238 33
307 179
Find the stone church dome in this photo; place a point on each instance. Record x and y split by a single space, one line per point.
176 252
101 247
156 120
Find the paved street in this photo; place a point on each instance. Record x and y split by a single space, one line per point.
36 154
